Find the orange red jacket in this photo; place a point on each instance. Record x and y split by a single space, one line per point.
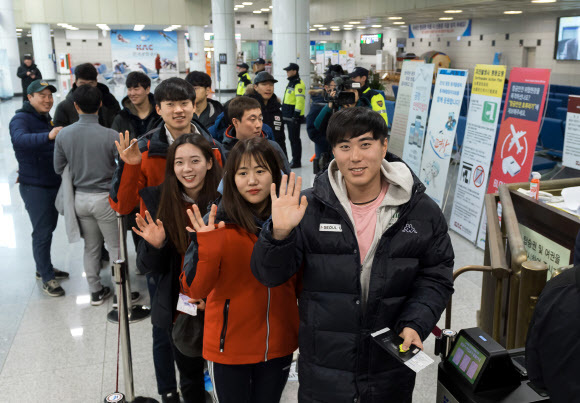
245 321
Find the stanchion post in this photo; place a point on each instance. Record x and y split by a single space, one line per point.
124 254
120 275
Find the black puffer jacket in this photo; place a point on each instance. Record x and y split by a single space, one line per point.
128 119
66 114
410 284
271 113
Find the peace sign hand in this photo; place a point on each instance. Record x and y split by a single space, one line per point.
151 231
287 209
128 150
197 220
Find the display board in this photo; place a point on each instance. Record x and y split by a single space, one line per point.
477 149
137 50
440 29
370 43
445 108
571 155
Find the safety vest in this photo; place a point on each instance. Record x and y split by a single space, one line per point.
244 80
377 102
294 101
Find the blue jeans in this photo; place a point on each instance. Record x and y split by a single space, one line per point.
39 203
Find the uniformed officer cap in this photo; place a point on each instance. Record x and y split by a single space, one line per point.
359 72
264 76
292 66
243 65
260 61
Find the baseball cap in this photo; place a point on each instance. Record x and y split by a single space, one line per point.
243 65
260 61
292 66
264 76
39 85
359 72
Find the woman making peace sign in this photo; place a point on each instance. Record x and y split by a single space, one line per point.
251 330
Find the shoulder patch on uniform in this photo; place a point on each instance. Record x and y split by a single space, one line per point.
299 89
380 103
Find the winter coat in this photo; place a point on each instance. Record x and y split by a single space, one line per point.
128 179
157 63
34 150
66 114
247 322
271 113
221 124
230 140
317 136
294 102
26 79
210 113
409 286
128 119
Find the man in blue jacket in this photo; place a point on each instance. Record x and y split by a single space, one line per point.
33 134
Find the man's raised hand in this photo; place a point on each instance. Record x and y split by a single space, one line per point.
128 150
287 208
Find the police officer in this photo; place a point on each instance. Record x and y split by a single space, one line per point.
259 65
293 107
244 78
377 101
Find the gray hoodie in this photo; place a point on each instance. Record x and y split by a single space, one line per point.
400 180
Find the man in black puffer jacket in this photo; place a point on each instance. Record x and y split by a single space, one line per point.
374 252
66 114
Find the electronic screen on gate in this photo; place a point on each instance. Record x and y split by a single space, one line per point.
467 359
568 39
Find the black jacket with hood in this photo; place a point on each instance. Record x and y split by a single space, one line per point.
66 114
128 119
271 113
409 282
210 113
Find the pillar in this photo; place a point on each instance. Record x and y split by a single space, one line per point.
196 46
10 83
291 41
224 43
42 45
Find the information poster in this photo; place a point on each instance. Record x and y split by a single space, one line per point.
542 249
571 155
480 129
445 108
518 134
418 112
440 29
342 58
137 50
399 125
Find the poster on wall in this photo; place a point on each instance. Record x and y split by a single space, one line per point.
480 129
417 120
342 58
401 116
6 89
445 108
571 155
320 62
440 29
518 133
137 50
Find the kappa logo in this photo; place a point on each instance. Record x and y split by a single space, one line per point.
409 229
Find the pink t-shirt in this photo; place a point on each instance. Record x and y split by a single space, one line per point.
365 221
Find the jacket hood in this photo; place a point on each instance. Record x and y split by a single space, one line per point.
296 77
28 108
404 186
129 108
230 138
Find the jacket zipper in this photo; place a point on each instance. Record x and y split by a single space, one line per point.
267 327
225 326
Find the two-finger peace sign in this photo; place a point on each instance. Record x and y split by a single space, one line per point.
197 223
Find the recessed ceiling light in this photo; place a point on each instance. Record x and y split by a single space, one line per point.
377 26
317 25
313 29
271 7
543 1
257 11
336 29
395 18
513 12
347 26
354 22
18 29
361 27
445 18
348 29
322 42
334 26
240 6
453 11
322 29
265 9
399 23
247 3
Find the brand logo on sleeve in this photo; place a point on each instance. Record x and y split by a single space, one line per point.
330 227
409 229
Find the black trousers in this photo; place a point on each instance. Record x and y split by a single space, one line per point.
295 143
263 382
280 138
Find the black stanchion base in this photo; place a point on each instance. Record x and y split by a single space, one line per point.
138 313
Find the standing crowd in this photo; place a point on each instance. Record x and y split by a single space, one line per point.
220 220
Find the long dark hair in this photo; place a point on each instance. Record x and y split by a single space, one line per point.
236 207
171 210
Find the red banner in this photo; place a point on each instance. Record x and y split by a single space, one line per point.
518 133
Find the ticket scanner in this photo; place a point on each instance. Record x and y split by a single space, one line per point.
477 369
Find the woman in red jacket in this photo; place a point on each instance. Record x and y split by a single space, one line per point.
250 330
192 176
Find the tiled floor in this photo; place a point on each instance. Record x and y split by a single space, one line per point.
64 350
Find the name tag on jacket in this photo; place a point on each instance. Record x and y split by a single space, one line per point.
330 227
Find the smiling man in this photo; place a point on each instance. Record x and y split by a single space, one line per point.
374 252
246 118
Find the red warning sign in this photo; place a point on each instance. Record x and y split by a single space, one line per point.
478 176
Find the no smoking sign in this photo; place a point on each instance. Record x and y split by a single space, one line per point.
478 176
